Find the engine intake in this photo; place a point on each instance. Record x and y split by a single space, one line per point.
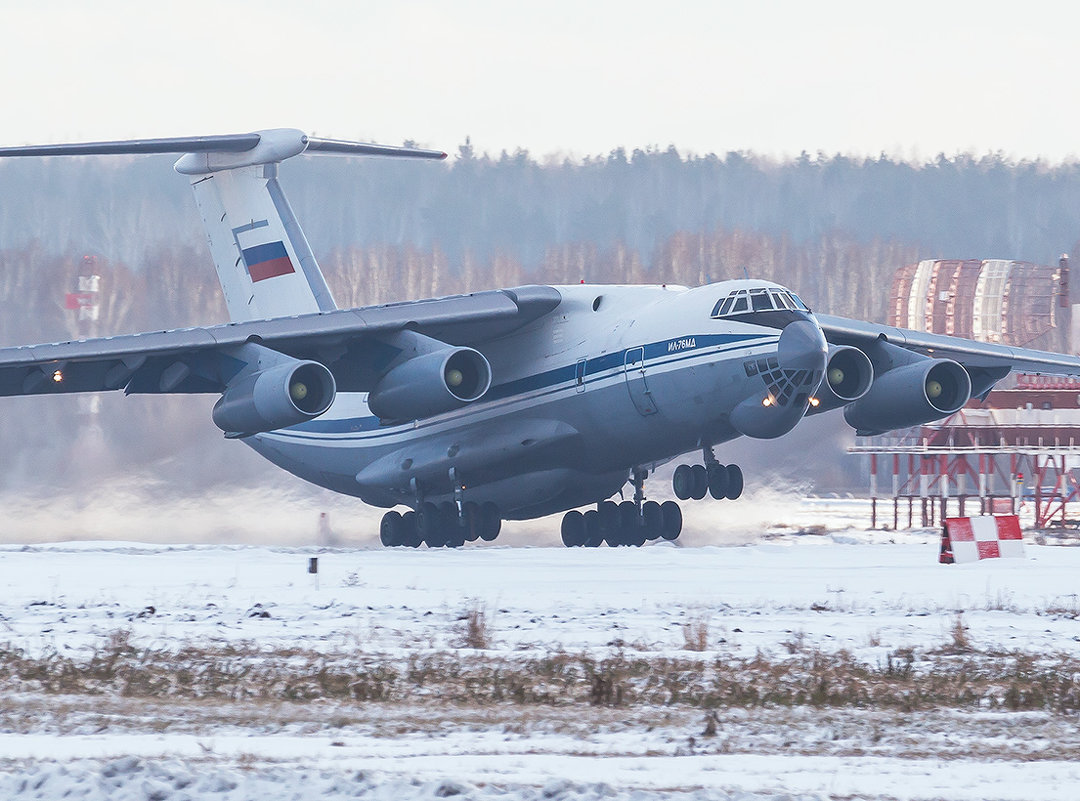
910 395
431 383
278 397
849 374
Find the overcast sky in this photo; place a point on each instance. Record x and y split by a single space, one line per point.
556 77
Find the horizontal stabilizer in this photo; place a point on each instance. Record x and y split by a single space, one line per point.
229 143
278 143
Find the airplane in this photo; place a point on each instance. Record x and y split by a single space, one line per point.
498 405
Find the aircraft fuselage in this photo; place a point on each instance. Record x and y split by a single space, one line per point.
615 378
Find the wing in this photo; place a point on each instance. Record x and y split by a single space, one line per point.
189 360
992 362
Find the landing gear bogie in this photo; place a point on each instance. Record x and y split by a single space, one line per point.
440 526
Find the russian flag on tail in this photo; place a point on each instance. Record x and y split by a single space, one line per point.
267 261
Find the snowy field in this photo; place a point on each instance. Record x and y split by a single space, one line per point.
836 664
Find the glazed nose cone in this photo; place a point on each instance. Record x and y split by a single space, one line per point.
767 413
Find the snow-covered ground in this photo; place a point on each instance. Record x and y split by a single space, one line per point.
838 590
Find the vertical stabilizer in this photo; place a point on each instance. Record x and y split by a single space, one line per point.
263 260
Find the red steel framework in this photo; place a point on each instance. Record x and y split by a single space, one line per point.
1015 449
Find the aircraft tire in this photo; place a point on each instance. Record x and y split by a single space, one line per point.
453 531
653 519
672 516
573 529
410 533
682 482
391 530
608 515
594 537
719 479
470 513
430 526
490 522
700 478
629 521
735 482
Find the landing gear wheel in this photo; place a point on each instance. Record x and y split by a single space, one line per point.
410 534
490 522
391 530
431 526
608 514
672 516
453 531
718 481
573 529
470 513
682 483
652 519
594 537
735 482
623 531
700 477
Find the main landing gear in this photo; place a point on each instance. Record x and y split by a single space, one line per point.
442 525
628 523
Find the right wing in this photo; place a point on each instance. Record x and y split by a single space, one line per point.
346 341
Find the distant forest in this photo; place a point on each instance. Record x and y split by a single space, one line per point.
833 228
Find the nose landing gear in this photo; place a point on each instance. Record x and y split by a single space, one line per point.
712 478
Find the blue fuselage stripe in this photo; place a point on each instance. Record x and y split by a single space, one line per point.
596 369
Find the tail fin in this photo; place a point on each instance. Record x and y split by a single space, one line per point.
263 260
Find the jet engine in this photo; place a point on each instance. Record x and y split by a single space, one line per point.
849 374
911 394
279 396
431 383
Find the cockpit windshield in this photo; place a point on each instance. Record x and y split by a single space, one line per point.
742 301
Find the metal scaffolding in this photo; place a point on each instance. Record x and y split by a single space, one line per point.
1002 458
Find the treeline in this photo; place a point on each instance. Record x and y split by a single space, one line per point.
479 206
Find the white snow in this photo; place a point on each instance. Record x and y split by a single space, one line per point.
869 597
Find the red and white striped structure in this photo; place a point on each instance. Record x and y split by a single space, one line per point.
969 539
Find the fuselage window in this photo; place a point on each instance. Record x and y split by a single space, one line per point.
740 305
780 300
725 304
761 301
798 303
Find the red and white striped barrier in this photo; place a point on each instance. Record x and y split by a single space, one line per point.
969 539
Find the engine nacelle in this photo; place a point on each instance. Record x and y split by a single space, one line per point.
431 383
849 373
277 397
915 393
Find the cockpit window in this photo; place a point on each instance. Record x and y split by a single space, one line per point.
760 300
741 301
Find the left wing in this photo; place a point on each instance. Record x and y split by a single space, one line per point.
971 354
349 342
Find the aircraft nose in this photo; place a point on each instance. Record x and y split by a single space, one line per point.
802 346
775 408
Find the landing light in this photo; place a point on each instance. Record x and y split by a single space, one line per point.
767 401
58 376
815 402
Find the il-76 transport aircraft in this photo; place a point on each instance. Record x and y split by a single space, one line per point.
505 404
